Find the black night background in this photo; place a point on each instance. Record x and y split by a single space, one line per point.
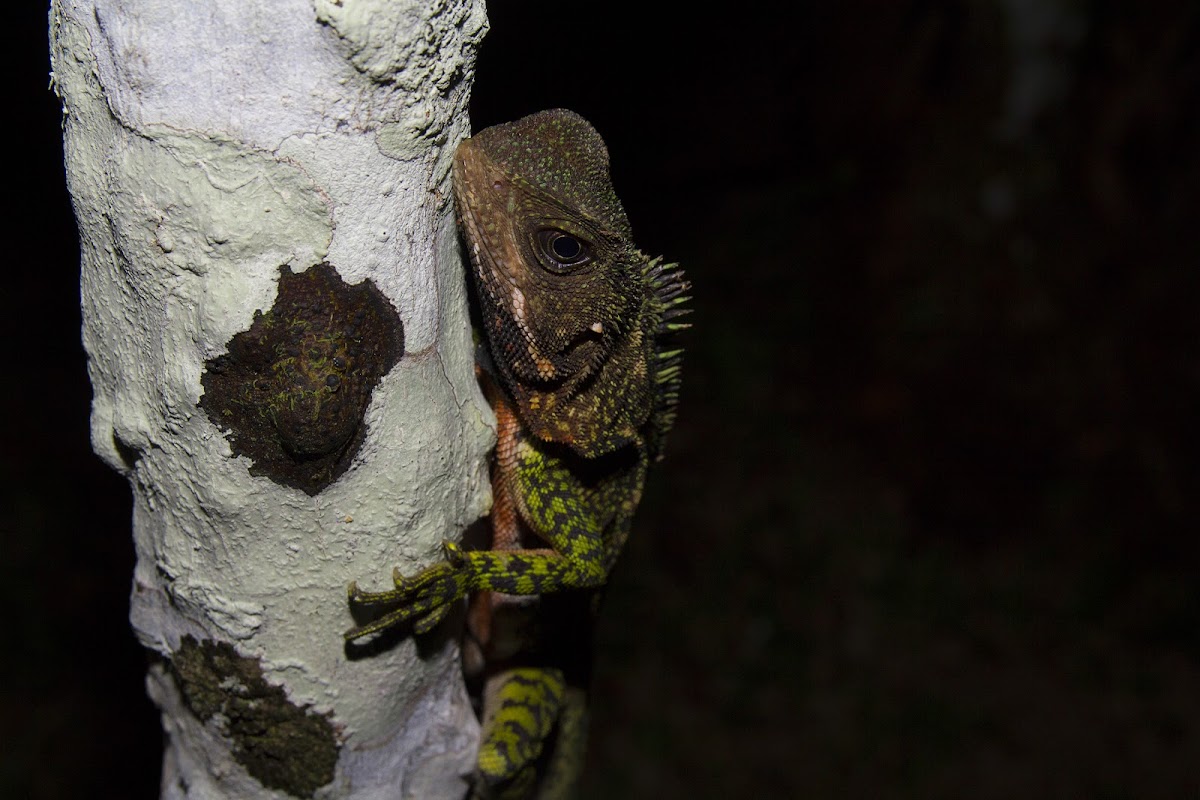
927 526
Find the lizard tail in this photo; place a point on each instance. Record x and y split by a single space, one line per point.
525 703
566 763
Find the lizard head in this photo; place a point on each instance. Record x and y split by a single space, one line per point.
564 294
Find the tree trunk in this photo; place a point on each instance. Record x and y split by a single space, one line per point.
276 325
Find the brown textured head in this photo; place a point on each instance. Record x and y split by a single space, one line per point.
567 307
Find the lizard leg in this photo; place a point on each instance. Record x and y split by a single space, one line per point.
555 507
523 705
424 599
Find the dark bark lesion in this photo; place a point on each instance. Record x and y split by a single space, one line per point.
282 745
292 390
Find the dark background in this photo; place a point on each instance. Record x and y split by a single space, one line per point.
927 526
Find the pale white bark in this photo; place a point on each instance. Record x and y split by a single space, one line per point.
209 142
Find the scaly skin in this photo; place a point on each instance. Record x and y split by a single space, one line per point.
584 388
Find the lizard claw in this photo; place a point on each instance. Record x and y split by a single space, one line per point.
422 600
454 553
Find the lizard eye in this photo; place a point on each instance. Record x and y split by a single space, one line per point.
563 251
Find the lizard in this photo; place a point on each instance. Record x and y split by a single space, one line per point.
580 367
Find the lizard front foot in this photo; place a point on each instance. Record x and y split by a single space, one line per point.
422 600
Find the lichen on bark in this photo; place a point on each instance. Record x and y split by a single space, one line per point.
292 390
284 746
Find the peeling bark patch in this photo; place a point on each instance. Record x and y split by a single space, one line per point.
284 746
291 391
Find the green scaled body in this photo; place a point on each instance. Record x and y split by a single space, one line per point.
584 381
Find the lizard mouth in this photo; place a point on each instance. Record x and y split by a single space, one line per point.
484 199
